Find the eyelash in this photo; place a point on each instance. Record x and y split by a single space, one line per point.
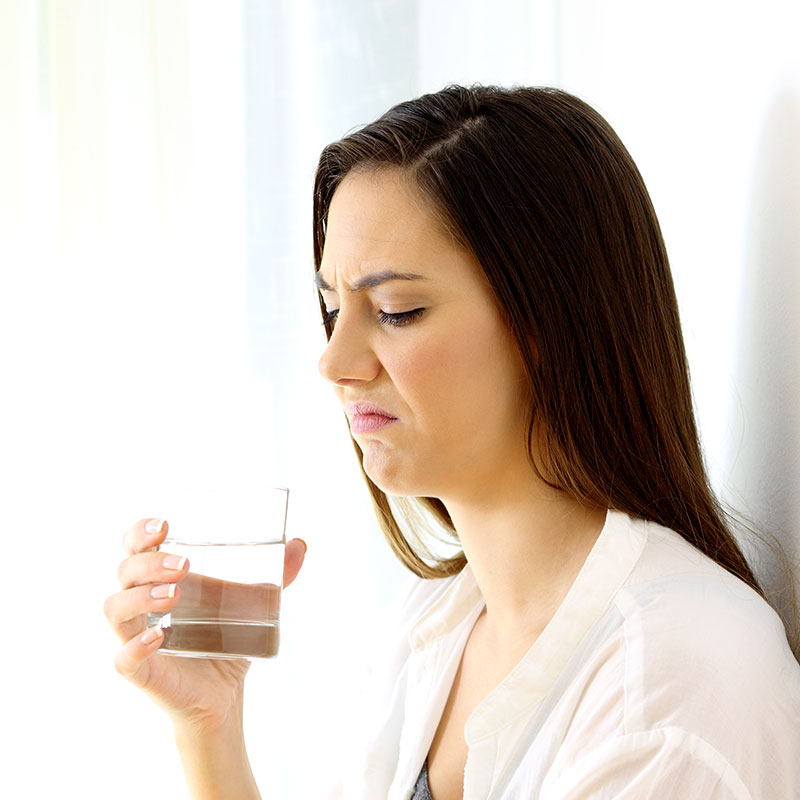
395 320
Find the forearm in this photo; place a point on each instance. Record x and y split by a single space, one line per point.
215 763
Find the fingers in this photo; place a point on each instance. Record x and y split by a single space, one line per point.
146 534
152 567
131 659
131 605
293 558
148 579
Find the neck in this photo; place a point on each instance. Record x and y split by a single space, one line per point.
525 545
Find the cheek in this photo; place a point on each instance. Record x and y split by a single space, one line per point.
417 373
468 369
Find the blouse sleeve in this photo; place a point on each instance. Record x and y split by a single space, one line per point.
651 765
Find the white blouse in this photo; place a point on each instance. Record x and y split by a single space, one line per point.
661 675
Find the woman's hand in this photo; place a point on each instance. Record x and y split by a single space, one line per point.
202 693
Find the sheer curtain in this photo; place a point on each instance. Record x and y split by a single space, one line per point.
160 332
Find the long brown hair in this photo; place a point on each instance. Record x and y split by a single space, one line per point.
536 184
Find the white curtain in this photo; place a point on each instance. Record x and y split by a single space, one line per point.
160 333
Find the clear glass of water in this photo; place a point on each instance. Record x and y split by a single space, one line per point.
229 604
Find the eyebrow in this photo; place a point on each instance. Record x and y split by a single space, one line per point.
369 281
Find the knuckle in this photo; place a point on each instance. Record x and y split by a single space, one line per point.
133 539
108 608
129 541
120 664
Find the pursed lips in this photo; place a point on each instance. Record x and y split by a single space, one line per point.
367 417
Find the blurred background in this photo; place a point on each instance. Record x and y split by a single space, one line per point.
159 331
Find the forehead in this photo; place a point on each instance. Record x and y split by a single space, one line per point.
380 220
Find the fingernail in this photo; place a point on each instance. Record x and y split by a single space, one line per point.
174 562
154 526
163 590
151 634
305 546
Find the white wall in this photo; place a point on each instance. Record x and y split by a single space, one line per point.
137 361
707 98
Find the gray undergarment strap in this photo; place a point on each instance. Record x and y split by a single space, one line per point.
421 790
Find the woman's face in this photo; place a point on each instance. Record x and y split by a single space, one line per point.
418 337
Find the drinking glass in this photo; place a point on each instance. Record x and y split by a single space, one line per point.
229 602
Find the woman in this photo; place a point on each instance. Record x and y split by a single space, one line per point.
504 339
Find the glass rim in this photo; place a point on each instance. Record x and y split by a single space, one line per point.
200 543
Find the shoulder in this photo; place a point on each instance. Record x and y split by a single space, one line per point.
683 609
702 653
695 688
708 671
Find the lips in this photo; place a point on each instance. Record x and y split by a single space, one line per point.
367 417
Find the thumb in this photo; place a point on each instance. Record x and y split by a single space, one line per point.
293 558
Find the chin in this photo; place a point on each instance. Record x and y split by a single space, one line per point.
394 478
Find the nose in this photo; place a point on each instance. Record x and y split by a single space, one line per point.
349 356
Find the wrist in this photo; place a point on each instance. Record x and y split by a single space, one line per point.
220 716
194 736
214 759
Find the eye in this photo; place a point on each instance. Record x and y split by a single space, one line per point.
403 318
330 317
396 320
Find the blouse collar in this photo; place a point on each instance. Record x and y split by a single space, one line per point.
608 565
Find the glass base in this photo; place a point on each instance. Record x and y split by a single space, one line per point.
220 639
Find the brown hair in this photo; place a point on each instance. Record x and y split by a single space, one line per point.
536 184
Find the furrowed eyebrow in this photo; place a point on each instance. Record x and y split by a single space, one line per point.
369 281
